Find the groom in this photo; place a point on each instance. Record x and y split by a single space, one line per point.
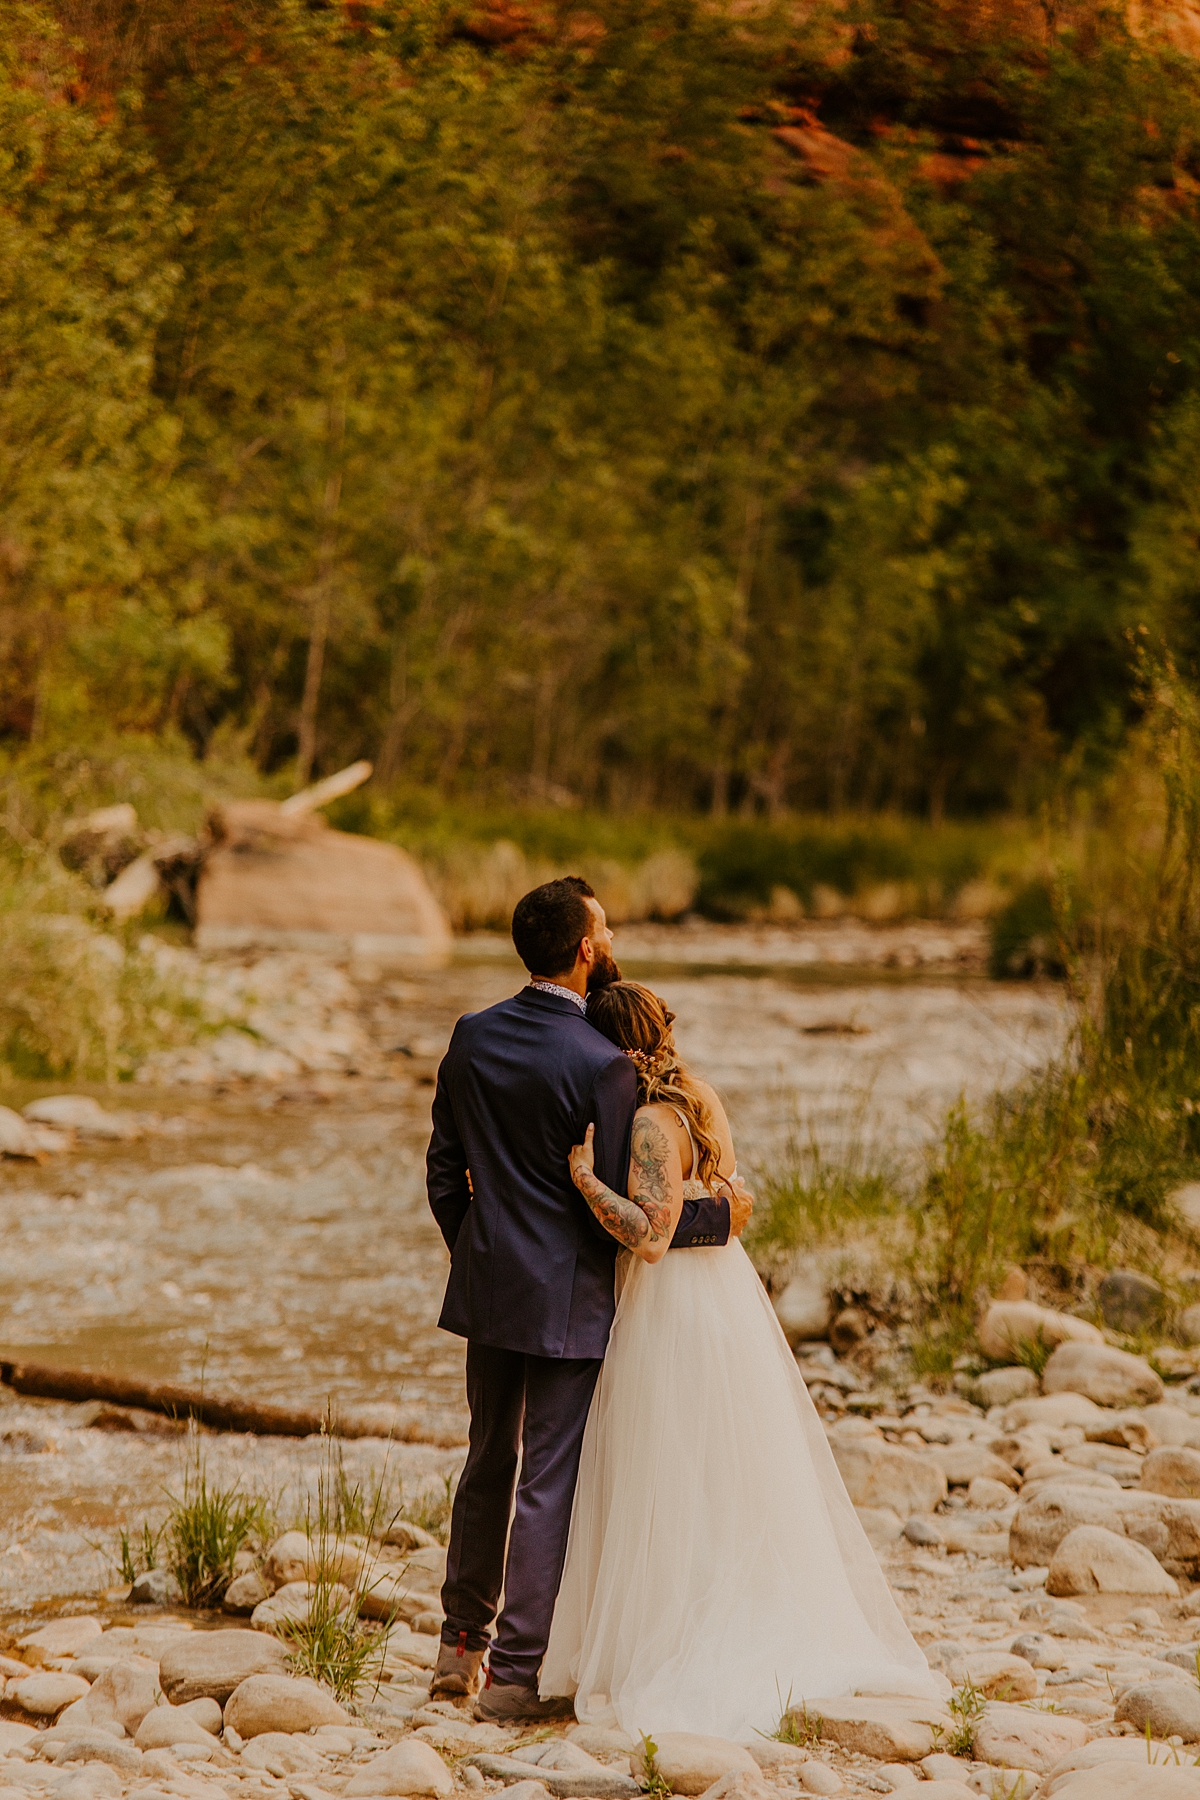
531 1283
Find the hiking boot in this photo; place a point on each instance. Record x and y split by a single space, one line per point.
504 1703
457 1671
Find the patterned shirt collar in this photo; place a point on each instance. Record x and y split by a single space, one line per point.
563 993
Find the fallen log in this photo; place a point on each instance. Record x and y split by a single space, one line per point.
260 1418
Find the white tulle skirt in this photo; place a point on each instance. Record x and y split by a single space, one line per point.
715 1568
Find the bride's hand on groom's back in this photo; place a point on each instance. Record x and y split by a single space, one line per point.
741 1206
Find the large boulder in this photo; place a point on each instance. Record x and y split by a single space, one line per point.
213 1663
1098 1372
690 1764
1091 1560
1009 1325
281 1703
1172 1470
278 870
1014 1737
408 1768
1166 1708
879 1474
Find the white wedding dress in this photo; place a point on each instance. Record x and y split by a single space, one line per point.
716 1569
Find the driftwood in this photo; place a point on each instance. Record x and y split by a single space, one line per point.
221 1414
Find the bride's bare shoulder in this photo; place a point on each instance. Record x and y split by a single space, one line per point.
710 1096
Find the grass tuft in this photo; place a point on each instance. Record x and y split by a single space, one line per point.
334 1644
653 1782
204 1531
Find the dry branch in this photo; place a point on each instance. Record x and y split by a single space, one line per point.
39 1381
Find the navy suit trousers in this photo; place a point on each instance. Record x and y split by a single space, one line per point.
537 1407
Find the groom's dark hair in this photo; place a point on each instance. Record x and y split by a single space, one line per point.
550 922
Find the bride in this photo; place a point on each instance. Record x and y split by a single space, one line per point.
715 1569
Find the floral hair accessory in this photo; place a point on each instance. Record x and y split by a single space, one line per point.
643 1060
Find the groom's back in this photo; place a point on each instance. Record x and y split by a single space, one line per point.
518 1086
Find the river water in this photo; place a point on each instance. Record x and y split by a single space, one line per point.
275 1241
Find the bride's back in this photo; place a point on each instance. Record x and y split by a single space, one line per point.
674 1124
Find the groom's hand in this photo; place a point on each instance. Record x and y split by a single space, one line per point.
741 1206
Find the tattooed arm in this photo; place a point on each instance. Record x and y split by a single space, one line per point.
645 1221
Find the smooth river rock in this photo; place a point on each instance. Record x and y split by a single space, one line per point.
964 1463
997 1674
1172 1470
281 1703
245 1593
155 1587
62 1637
165 1726
408 1768
1098 1372
1129 1301
1015 1737
1043 1521
283 1754
1169 1708
292 1603
1121 1781
690 1764
46 1694
879 1474
1008 1325
211 1664
888 1730
125 1691
1000 1387
803 1309
1091 1560
97 1747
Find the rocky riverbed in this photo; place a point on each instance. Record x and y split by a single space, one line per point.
261 1222
1044 1547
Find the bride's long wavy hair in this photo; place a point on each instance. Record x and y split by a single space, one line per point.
636 1020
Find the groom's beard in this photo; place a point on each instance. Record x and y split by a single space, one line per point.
604 972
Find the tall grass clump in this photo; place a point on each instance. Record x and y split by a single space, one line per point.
332 1642
206 1527
1075 1165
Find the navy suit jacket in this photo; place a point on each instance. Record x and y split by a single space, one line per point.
530 1268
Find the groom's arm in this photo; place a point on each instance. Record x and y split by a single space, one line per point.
446 1180
702 1223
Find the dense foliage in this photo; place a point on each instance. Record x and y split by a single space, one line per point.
636 402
